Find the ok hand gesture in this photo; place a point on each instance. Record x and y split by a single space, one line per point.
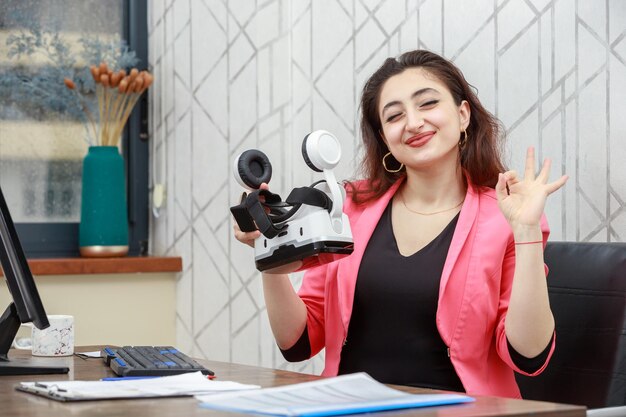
522 201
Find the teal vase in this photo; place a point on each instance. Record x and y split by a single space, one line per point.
103 230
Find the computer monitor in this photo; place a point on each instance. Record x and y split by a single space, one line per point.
26 306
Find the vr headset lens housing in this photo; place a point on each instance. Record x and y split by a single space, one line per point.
310 222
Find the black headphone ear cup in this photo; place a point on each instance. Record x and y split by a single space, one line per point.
254 168
305 155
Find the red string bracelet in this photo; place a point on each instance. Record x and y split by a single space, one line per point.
529 243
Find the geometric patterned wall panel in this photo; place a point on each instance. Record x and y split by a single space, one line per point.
237 74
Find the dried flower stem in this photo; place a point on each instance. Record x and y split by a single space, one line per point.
117 95
99 94
71 86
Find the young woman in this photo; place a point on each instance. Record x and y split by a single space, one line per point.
446 287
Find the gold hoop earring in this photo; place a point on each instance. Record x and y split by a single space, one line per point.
391 170
463 141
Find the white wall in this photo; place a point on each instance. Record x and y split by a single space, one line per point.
238 74
121 309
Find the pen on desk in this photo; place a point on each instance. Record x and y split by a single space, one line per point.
49 387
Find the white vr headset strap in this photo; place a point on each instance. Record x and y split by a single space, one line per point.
336 213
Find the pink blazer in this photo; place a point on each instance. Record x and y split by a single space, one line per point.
474 293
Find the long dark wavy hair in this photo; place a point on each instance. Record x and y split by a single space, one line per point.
480 157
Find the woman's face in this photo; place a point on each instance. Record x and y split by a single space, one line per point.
421 124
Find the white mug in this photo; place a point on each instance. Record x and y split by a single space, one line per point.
56 340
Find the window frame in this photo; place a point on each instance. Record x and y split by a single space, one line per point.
55 240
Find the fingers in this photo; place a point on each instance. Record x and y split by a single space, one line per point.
501 191
529 172
553 186
247 238
509 180
544 174
511 177
264 186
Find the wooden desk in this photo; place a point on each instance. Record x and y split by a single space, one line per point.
20 404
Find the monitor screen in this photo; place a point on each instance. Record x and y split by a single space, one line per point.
17 273
26 306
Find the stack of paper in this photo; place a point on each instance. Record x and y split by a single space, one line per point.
347 394
166 386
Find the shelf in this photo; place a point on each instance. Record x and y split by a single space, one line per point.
124 265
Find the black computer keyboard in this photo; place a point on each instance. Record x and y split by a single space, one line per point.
150 361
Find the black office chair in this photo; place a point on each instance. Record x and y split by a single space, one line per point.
587 287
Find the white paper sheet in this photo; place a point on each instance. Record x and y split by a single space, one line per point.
185 384
346 394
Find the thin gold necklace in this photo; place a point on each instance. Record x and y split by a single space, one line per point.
428 214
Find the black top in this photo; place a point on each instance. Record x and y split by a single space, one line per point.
392 333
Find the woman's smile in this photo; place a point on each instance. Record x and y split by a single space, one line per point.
420 140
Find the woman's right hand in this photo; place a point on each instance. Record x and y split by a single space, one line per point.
286 311
249 237
246 237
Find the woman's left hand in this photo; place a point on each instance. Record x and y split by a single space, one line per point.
524 201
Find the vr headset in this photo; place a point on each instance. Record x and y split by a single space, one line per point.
309 223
